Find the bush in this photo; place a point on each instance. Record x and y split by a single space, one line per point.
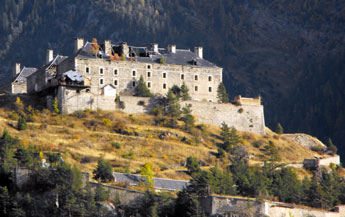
107 122
116 145
22 124
129 155
240 110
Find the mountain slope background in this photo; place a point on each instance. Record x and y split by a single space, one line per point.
290 52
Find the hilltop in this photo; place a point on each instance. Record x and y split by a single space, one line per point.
128 141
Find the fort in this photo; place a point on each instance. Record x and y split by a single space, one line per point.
98 74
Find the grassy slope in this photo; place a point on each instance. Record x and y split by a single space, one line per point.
92 137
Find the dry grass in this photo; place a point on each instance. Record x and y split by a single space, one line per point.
86 136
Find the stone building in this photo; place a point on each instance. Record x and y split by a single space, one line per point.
122 65
18 85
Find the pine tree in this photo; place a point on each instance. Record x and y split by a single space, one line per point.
230 137
221 94
22 125
185 92
104 172
188 119
141 89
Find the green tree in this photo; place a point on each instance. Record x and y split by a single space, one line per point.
185 92
147 172
230 137
279 129
149 205
188 119
192 165
141 89
103 172
176 90
22 125
56 106
221 94
187 204
100 193
4 201
24 158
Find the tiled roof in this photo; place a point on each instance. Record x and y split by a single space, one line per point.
165 184
26 72
181 57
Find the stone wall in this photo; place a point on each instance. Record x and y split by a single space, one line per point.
22 176
71 100
328 160
18 88
305 140
239 206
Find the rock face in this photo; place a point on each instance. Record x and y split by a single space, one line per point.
305 140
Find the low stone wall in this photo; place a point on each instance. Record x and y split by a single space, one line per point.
244 117
243 207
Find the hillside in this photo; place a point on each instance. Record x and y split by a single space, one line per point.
289 52
129 141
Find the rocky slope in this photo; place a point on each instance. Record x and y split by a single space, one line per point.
291 52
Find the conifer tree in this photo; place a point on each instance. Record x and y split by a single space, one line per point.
221 94
22 125
185 92
331 146
188 119
104 172
141 89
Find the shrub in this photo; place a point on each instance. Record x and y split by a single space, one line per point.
56 106
107 122
22 124
162 60
240 110
129 155
116 145
14 116
79 114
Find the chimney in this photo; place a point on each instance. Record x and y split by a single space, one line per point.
78 43
172 48
107 47
16 70
125 49
198 52
154 47
49 56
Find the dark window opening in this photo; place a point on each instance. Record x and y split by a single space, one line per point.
115 82
182 76
196 88
87 70
101 81
148 74
149 66
196 77
78 91
209 78
164 86
148 84
133 83
87 90
101 71
115 71
209 89
164 75
134 73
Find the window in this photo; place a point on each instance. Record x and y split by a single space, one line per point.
196 88
87 70
209 78
148 66
101 71
210 89
101 81
210 100
182 76
116 71
148 74
115 82
149 84
164 86
164 75
196 77
133 83
134 73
